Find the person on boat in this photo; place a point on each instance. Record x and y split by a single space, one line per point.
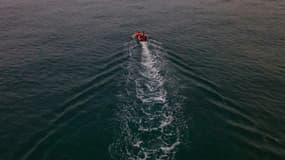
144 37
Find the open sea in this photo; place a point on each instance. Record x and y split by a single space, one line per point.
209 84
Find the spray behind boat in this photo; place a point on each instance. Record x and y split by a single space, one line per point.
151 123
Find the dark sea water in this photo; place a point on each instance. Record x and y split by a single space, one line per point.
208 85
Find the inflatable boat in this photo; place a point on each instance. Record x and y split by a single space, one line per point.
140 36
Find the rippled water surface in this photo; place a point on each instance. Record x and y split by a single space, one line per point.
209 83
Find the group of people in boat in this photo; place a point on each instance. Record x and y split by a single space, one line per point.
140 36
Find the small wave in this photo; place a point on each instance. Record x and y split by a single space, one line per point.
71 108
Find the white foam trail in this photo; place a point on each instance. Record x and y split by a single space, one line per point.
170 148
150 127
155 80
138 143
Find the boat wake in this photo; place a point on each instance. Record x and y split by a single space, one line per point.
150 112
